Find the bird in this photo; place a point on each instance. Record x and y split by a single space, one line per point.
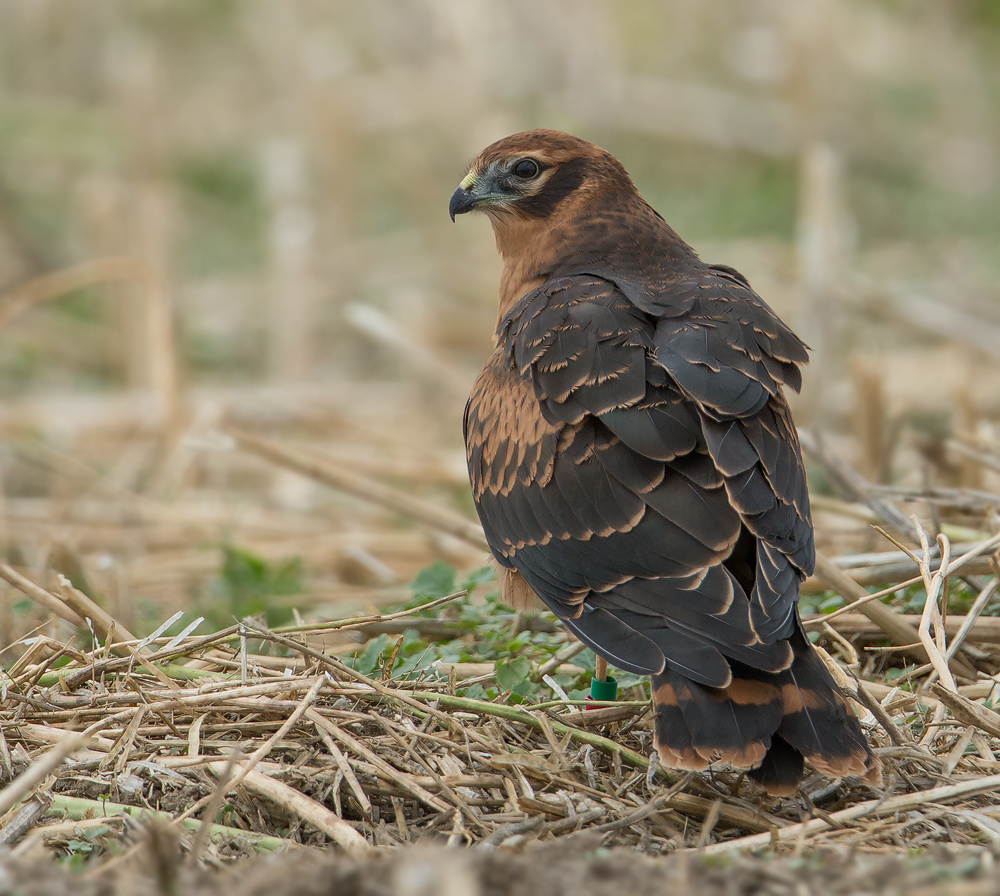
634 464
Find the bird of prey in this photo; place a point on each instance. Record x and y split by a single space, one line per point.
635 465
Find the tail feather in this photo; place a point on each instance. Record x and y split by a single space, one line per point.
768 723
781 770
696 725
818 721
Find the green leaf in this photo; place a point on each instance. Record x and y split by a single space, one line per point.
477 577
367 661
511 672
248 582
831 604
894 674
524 688
434 581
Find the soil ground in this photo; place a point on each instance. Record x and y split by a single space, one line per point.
575 867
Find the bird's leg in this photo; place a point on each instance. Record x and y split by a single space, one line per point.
601 669
602 685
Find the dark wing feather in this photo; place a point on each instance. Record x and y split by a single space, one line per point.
613 505
731 354
713 322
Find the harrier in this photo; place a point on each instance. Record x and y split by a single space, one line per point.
635 465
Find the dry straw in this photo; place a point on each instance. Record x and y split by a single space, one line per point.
332 754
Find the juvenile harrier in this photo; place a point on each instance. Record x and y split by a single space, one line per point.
634 462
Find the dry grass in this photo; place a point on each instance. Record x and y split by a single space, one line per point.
301 749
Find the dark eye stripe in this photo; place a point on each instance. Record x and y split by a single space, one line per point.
566 178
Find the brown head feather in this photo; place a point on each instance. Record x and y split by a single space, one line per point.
581 212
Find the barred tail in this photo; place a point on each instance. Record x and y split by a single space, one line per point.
769 723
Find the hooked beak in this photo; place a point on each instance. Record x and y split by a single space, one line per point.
464 199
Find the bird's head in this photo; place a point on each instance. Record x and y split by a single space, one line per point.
531 175
560 205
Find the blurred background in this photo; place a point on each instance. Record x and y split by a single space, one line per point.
234 214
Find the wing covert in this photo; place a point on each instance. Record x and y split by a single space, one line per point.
615 495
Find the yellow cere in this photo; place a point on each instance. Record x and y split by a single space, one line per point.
468 181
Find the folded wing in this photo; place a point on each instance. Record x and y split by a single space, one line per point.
619 478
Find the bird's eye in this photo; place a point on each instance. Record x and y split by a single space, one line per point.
525 169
